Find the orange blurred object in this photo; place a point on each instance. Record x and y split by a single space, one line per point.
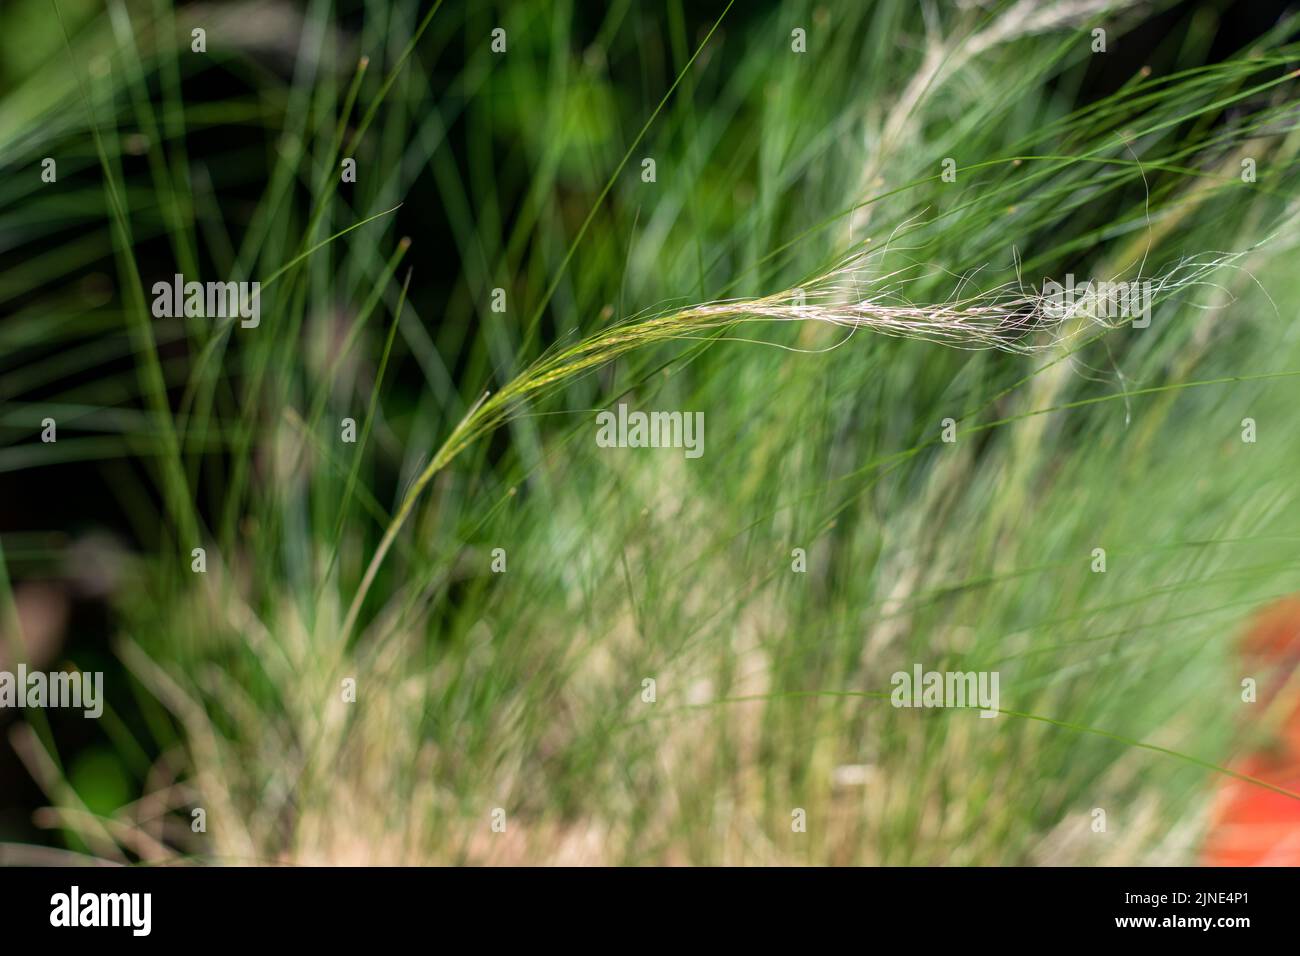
1249 824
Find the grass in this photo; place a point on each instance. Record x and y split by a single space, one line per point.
775 173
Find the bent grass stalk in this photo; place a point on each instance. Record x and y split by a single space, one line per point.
1006 319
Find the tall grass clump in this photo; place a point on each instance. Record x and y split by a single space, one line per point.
805 269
